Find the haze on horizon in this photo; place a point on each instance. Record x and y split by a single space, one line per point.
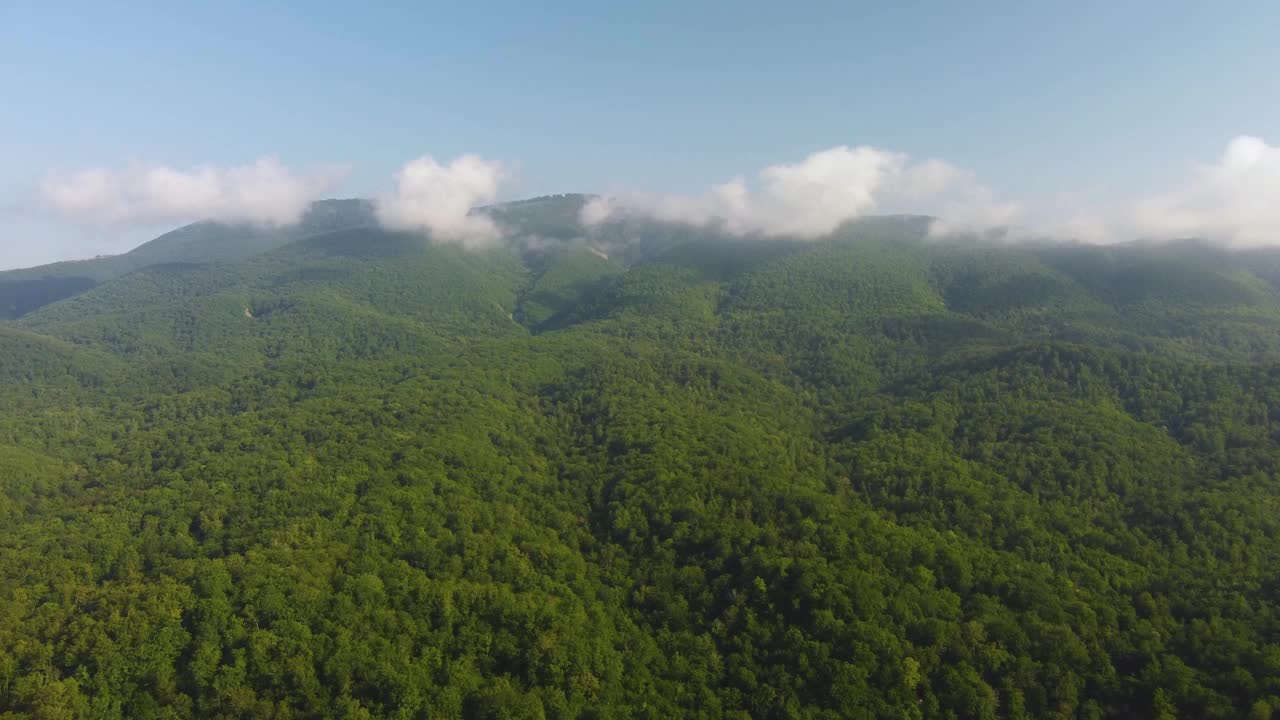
1086 122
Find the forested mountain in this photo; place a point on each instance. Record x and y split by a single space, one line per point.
22 291
641 470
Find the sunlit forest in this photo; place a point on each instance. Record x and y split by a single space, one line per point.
641 470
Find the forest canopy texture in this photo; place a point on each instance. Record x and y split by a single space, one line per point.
639 471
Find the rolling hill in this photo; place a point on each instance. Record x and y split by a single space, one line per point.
641 470
25 290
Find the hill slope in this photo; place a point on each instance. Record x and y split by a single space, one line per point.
646 471
22 291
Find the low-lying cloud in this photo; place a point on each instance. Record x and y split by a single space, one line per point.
814 196
264 193
440 199
1234 201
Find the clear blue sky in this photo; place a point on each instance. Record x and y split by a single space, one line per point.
1035 98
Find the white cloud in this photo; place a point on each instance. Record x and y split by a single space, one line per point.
599 209
809 198
438 199
1234 201
967 206
264 193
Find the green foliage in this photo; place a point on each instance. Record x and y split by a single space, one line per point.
26 290
360 475
565 280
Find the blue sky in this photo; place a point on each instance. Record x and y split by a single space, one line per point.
1104 101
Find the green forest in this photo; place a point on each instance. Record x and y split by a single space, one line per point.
640 470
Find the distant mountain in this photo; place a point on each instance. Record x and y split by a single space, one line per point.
22 291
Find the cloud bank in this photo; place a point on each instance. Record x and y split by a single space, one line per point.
264 193
814 196
439 199
1235 200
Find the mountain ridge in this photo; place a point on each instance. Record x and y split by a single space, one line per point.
25 289
531 223
699 477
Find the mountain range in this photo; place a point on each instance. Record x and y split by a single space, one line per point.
639 469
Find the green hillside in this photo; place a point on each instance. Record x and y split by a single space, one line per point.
22 291
644 470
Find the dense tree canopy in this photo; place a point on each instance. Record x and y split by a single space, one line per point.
644 471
